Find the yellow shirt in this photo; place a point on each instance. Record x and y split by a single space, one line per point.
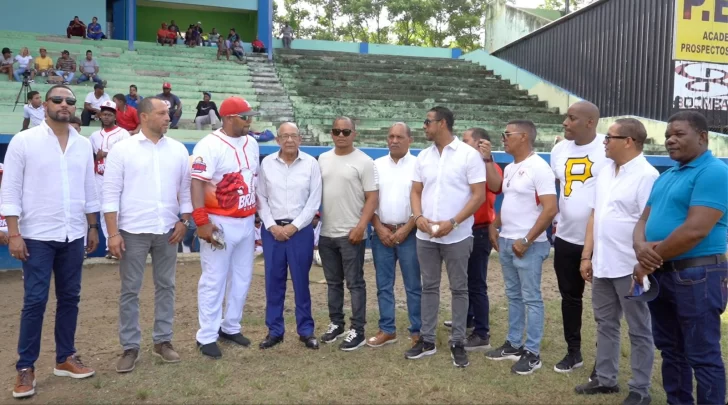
44 63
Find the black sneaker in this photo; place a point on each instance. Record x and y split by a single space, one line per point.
593 375
594 387
420 350
332 333
527 364
505 352
569 363
475 343
636 399
236 338
459 356
210 350
352 341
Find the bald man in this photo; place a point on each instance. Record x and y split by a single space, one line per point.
289 195
575 161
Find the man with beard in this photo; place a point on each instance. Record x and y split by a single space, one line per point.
102 141
146 186
53 197
224 171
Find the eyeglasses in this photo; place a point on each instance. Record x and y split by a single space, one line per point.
429 121
337 132
608 138
59 100
286 137
505 135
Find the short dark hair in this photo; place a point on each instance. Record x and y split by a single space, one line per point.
75 120
634 129
32 94
444 113
345 118
6 50
527 126
134 86
58 86
146 105
695 119
119 97
479 133
88 51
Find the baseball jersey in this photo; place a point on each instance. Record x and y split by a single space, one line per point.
576 168
229 166
104 140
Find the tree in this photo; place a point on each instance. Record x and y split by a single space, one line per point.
561 4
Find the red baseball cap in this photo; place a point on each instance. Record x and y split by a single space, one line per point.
236 106
167 85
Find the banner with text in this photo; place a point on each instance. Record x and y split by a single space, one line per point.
702 86
701 30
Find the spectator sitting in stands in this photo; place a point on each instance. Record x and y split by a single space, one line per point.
6 63
94 30
212 38
75 122
173 104
24 65
222 48
174 29
258 46
76 28
43 64
126 116
238 51
166 36
133 98
92 104
66 67
232 37
33 112
192 37
89 69
201 34
207 113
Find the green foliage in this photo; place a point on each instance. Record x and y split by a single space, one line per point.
559 4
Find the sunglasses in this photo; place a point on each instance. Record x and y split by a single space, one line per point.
243 117
59 100
610 137
337 132
505 135
429 121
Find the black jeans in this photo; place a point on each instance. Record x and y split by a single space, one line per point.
567 259
344 261
86 116
479 305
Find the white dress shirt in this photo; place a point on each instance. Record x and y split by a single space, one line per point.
48 190
147 184
618 204
289 192
395 185
447 179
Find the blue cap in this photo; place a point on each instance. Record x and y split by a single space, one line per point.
639 293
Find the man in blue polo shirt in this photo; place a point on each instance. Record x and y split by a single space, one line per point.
681 237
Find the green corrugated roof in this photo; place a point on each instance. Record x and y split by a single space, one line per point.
551 15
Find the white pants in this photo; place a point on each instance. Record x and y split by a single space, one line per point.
209 119
226 273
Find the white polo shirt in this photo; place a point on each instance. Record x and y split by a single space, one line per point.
446 179
523 184
35 115
395 185
96 102
618 203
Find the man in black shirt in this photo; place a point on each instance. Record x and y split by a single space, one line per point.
207 113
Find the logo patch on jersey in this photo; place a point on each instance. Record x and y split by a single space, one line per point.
577 170
199 166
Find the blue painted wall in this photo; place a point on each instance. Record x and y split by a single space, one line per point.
48 18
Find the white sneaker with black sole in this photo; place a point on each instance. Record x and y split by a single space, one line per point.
527 364
505 352
352 341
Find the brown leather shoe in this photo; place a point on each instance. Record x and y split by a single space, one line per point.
381 339
24 383
414 338
166 352
74 368
127 361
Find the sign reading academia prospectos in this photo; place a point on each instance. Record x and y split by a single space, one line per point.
701 30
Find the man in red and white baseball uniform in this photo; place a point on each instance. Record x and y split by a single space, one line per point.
102 141
224 171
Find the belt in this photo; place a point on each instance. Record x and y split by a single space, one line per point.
283 222
481 226
682 264
393 228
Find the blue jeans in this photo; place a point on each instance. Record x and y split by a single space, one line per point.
479 306
686 329
522 278
385 259
18 74
84 78
174 118
67 76
65 261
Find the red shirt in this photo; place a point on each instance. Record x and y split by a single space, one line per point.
258 43
486 213
128 119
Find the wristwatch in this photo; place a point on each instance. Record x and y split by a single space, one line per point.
93 226
454 223
186 223
487 160
525 241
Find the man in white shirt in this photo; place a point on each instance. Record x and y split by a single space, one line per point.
576 161
33 112
621 193
448 186
529 206
224 177
146 188
102 141
54 198
92 104
289 194
394 238
349 200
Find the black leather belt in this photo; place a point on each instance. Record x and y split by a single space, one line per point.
283 222
682 264
481 226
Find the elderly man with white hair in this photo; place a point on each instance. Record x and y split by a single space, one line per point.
289 195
